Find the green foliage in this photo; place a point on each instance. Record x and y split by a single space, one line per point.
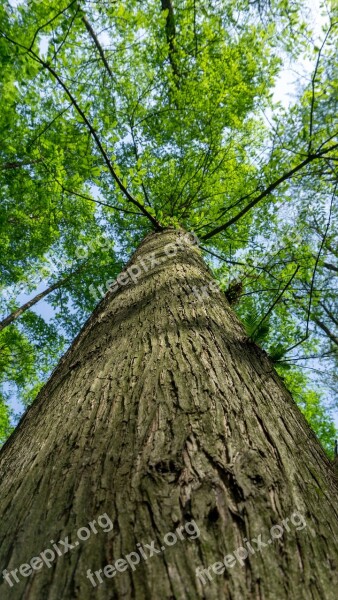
277 352
257 327
311 404
5 426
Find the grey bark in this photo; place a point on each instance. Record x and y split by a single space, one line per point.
163 412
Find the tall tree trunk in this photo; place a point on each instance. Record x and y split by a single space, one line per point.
163 415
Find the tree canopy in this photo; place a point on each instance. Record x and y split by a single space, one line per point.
122 117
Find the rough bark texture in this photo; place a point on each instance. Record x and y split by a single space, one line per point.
162 412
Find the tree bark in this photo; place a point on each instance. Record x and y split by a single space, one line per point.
163 412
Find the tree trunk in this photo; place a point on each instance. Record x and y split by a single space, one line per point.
166 418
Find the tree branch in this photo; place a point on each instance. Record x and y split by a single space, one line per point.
276 301
13 316
86 197
18 165
324 327
98 45
100 202
267 191
51 70
329 313
171 34
48 23
308 310
48 126
316 263
313 83
330 266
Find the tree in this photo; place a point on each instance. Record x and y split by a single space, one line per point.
188 423
141 122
